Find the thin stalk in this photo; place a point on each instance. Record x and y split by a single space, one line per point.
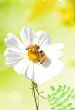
36 96
40 94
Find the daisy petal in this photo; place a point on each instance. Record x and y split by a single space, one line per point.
43 74
27 36
30 71
14 42
53 51
13 57
42 38
22 67
56 46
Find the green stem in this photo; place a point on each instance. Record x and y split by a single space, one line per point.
36 96
40 94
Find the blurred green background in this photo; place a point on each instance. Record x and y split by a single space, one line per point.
54 16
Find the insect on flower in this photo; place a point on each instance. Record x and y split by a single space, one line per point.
34 50
33 56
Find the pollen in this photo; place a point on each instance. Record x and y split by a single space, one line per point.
35 54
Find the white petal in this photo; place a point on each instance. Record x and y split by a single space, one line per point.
53 51
22 67
27 36
14 42
57 46
14 56
15 51
30 71
42 38
43 74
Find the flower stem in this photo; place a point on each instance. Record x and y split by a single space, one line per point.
36 96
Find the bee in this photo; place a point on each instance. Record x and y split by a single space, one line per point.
42 57
35 54
33 48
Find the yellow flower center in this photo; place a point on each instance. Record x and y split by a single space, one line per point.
36 55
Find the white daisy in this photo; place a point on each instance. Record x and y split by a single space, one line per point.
33 56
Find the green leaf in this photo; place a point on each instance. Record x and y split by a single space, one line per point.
61 98
52 88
